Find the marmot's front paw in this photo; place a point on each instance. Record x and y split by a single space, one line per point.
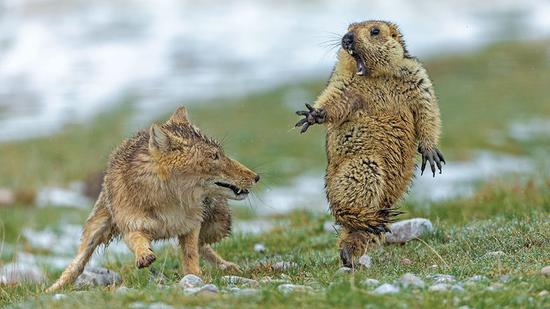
311 116
434 156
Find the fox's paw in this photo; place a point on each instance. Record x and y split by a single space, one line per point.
230 267
145 259
434 156
311 116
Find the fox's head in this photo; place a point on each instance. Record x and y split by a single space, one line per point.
183 153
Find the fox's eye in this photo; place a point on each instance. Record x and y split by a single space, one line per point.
374 31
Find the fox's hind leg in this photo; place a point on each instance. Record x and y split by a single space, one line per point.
140 244
215 226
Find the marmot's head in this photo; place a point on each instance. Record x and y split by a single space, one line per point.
373 46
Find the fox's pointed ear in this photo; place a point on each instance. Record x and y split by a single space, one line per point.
158 138
179 116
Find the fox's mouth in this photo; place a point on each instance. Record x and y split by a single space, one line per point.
359 62
239 193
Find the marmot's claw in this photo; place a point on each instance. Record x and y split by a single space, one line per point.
434 156
311 116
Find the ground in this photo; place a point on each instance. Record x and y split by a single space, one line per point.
482 94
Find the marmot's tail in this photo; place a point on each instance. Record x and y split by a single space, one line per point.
98 229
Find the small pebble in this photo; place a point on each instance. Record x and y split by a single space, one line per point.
191 281
97 276
59 296
344 270
284 265
412 280
290 288
370 282
439 287
365 261
211 288
406 262
545 271
259 248
386 288
236 280
543 293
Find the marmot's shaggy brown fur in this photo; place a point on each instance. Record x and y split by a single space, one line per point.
379 108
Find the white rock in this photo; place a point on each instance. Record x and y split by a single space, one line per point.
259 248
291 288
191 281
406 230
439 287
236 280
370 282
442 278
386 288
494 254
211 288
16 273
543 293
365 261
59 296
545 271
344 270
284 265
97 276
457 288
412 280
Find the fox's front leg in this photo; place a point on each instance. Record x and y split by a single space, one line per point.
140 244
189 245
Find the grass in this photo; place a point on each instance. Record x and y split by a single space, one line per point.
480 93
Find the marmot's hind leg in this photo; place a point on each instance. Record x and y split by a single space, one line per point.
356 192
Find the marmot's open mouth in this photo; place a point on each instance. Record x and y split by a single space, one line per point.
235 189
359 62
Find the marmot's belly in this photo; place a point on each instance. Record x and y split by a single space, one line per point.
388 141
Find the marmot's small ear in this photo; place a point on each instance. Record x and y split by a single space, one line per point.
158 138
179 116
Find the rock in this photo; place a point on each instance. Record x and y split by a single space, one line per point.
406 230
284 265
16 273
406 262
545 271
365 261
291 288
59 296
370 282
330 227
457 288
236 280
247 292
476 278
442 278
386 288
259 248
543 293
191 281
209 288
124 290
494 254
158 305
439 287
97 276
411 280
344 270
7 197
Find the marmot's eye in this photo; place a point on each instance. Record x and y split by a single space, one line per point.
215 156
374 31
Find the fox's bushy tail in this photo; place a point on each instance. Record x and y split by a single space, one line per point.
97 230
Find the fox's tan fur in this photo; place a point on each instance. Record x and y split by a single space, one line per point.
163 183
375 124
